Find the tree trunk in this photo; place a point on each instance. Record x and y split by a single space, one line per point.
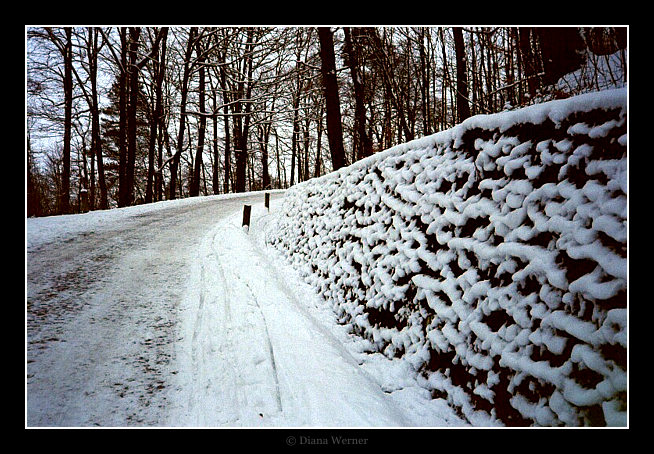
328 70
96 142
228 152
158 176
279 164
134 36
560 51
226 99
174 165
362 144
242 120
152 145
316 171
264 157
265 176
194 190
216 156
157 120
64 194
527 59
296 133
462 106
33 193
265 138
305 168
424 84
241 153
445 82
122 122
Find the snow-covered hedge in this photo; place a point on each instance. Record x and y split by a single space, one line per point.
492 257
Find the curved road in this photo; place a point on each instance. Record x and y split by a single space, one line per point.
100 353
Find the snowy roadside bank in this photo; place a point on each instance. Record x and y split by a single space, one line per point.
259 348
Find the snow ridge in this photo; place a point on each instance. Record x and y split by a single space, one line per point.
491 258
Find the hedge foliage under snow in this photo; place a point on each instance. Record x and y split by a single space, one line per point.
492 257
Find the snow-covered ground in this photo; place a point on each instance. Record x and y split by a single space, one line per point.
171 314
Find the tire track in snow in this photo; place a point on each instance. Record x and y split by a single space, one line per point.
271 351
316 381
230 281
230 378
212 382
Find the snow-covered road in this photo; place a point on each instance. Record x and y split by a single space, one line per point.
172 315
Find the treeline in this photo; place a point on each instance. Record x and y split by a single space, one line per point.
118 116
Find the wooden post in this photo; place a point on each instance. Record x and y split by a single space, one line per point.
246 215
267 203
84 200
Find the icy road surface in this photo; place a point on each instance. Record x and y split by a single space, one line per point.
171 314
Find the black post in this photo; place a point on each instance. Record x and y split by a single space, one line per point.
246 215
84 201
267 203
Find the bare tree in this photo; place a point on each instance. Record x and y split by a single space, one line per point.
65 47
462 106
242 111
194 189
156 120
328 69
174 161
93 49
362 144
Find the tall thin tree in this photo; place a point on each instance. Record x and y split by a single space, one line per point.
156 120
194 189
132 102
93 50
462 106
362 144
174 162
332 100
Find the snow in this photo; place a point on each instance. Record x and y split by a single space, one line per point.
200 324
103 292
290 360
500 243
